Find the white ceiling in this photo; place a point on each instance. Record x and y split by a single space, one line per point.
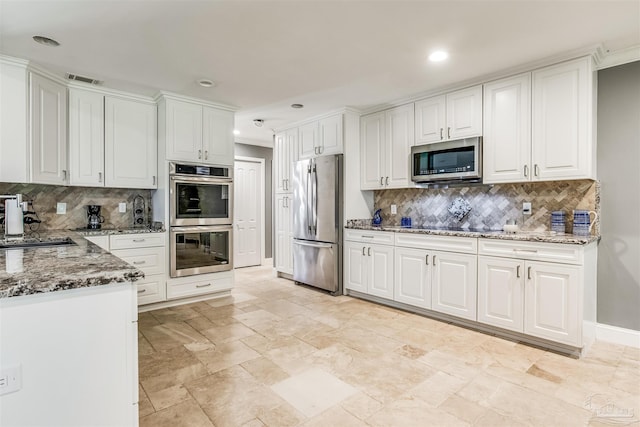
266 55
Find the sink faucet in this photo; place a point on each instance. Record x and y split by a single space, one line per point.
14 209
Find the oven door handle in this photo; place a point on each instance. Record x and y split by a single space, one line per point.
201 229
208 180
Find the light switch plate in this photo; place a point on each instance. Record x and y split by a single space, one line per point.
61 208
394 209
122 207
526 208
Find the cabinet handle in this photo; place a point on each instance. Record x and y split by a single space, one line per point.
141 291
441 133
206 154
536 170
367 237
382 180
426 257
526 171
518 271
138 240
154 180
199 154
287 181
369 251
64 175
433 260
529 273
139 262
448 133
363 248
99 176
203 286
387 181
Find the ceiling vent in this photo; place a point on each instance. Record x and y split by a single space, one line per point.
83 79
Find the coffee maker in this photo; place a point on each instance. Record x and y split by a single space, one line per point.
94 218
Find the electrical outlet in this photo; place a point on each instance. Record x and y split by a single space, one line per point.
526 208
61 208
122 207
10 379
394 209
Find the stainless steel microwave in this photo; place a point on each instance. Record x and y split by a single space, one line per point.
447 162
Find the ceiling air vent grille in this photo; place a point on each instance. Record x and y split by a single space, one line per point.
83 79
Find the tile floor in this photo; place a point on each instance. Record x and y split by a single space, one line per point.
276 354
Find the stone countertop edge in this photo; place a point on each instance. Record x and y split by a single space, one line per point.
41 270
532 236
110 231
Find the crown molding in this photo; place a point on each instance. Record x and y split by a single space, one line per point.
178 97
342 110
111 92
620 57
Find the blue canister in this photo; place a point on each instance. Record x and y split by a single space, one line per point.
582 222
377 218
405 222
558 222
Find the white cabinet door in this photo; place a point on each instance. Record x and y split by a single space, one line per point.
501 293
355 267
507 130
412 284
284 237
380 271
464 113
48 131
86 138
430 121
399 123
562 134
184 131
552 302
217 136
330 135
372 135
284 156
454 284
131 144
308 141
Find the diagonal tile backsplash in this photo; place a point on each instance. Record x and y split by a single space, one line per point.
45 198
491 205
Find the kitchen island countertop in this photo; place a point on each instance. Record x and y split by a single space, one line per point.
36 270
528 236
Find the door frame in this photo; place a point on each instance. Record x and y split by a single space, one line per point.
261 162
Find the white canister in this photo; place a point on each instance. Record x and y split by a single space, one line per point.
13 218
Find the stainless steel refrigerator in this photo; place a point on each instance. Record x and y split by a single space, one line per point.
317 222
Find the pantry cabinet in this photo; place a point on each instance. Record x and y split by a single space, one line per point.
197 133
454 115
284 154
284 233
385 147
48 131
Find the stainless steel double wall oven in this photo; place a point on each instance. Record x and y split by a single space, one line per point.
201 217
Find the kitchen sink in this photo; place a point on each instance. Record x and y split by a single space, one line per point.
35 243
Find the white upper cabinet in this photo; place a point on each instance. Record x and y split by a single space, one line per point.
197 133
284 155
452 116
86 138
385 145
14 154
217 136
321 138
507 130
563 114
48 131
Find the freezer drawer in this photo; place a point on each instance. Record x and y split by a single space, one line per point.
317 264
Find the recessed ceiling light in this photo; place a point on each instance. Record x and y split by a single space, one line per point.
46 41
297 106
236 132
258 122
438 55
206 83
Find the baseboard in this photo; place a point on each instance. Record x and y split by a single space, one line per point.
616 335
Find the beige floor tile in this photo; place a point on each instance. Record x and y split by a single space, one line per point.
144 347
226 355
437 388
361 405
412 412
167 397
175 314
464 409
201 323
313 391
144 404
284 415
493 419
227 333
256 317
265 371
171 334
185 414
335 417
253 423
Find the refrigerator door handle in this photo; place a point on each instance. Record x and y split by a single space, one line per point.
315 199
307 195
312 244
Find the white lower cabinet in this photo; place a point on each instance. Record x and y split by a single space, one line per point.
412 277
369 262
454 284
284 233
501 292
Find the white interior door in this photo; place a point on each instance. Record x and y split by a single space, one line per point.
249 199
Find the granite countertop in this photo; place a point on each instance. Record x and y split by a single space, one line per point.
35 270
528 236
110 231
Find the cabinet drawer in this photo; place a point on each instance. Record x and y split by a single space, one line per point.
187 287
149 260
379 237
151 289
467 245
132 241
552 252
